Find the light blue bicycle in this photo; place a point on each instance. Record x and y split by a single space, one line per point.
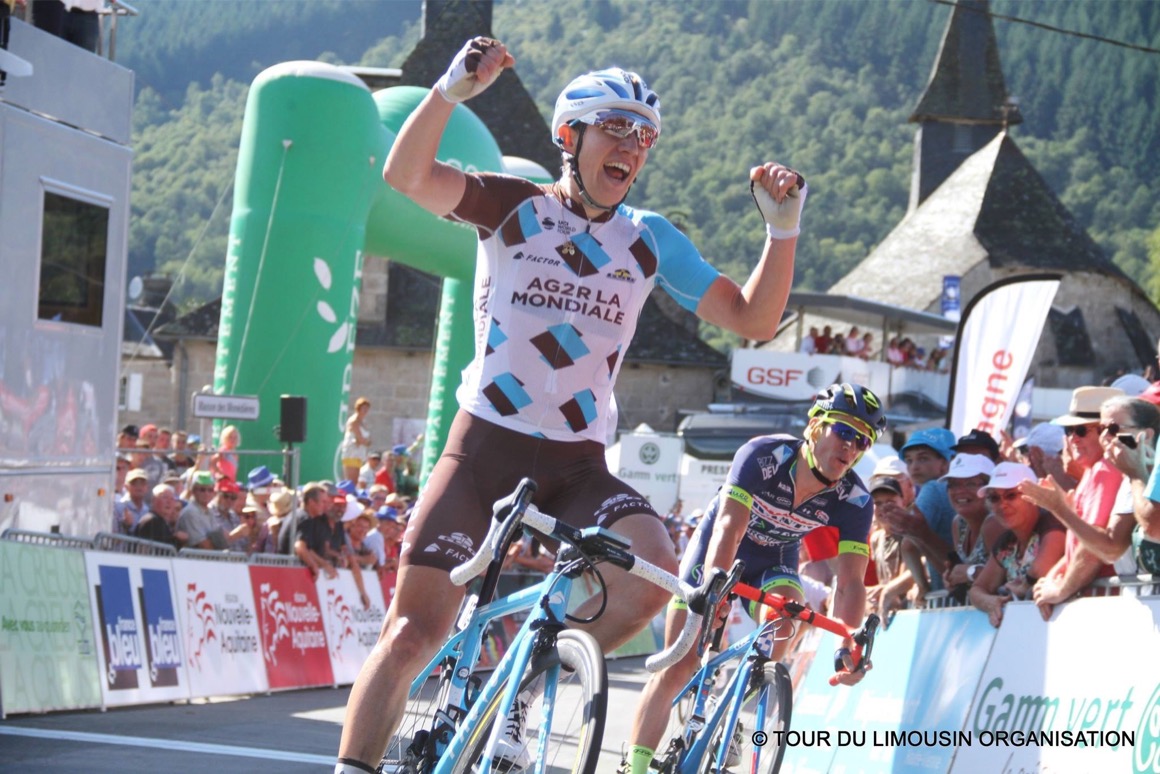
543 707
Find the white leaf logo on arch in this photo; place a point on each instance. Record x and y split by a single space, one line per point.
339 338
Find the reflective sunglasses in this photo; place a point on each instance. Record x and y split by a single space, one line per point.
848 434
1008 495
1079 431
621 124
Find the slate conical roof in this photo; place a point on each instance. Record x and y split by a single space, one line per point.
966 83
994 208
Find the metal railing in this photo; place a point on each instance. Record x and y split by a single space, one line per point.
113 11
210 554
276 560
125 544
46 539
1144 585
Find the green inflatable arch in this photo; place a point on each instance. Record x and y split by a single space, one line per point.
309 205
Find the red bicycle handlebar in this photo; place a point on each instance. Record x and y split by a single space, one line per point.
783 607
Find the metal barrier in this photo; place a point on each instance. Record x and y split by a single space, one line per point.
124 544
276 560
46 539
211 555
1144 585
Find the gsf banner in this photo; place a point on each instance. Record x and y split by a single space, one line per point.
291 626
219 628
48 659
135 625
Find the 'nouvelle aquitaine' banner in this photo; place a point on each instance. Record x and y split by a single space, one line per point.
292 628
996 343
219 628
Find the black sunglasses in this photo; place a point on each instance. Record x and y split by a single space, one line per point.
1079 431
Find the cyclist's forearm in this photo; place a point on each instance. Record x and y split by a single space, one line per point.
850 604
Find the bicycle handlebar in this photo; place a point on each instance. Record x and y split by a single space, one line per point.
516 509
845 660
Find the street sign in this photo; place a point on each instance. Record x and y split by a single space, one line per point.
207 406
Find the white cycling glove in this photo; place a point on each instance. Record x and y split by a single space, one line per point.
782 221
459 82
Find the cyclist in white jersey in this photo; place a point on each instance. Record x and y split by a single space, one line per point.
562 274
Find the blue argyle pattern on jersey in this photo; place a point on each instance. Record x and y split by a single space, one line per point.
495 337
506 394
561 345
580 411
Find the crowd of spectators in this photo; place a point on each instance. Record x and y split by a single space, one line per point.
985 520
900 351
171 489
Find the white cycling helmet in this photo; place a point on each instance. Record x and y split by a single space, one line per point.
613 88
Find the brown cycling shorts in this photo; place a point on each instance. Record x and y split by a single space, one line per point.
482 463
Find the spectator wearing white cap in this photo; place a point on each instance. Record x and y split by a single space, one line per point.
1027 549
1091 501
131 508
1042 450
972 530
1093 549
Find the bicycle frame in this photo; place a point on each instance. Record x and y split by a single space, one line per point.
700 732
731 698
548 599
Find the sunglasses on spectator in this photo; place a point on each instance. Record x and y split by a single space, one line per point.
1079 431
228 496
1114 428
202 489
621 124
847 434
1009 495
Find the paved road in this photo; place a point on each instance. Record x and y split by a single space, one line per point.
290 732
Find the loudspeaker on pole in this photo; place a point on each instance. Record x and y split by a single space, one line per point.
293 419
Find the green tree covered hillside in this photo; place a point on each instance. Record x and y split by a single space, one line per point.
826 86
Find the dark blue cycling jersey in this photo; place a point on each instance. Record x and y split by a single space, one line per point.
762 479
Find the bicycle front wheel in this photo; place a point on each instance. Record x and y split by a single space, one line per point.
569 731
757 742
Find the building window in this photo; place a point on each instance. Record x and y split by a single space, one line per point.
72 260
1073 346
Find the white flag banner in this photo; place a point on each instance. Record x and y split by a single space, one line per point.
997 339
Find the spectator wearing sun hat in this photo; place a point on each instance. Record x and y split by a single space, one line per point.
1094 496
259 482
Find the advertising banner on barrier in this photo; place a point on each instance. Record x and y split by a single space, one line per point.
291 626
135 623
48 658
905 716
1079 693
219 628
351 627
